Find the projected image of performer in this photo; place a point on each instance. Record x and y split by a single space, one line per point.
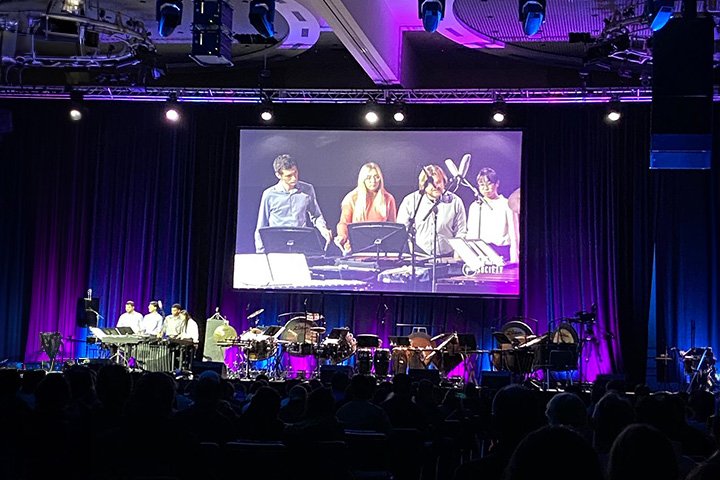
451 219
368 202
131 318
151 323
491 220
179 324
289 203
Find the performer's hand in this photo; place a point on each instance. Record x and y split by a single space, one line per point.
327 235
340 241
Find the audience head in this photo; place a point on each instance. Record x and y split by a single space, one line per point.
642 451
555 452
611 415
566 409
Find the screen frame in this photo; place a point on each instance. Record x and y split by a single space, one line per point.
388 293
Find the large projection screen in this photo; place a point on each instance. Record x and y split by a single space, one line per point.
461 238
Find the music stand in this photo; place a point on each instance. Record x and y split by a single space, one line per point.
305 240
50 343
378 237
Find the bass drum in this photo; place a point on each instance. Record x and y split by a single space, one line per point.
517 330
338 346
565 333
299 337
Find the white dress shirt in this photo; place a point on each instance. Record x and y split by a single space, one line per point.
151 323
131 320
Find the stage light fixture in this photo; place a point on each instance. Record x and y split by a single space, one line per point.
266 110
262 16
172 111
431 12
658 13
76 106
168 14
372 115
400 113
614 113
532 15
499 111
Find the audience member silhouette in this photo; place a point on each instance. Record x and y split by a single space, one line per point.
358 412
554 451
642 451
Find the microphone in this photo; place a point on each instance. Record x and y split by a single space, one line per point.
429 180
89 293
217 309
452 169
160 304
464 165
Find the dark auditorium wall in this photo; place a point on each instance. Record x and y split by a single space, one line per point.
135 209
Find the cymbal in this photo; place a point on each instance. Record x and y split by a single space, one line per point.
317 329
255 314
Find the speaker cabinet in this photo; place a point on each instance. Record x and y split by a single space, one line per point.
682 97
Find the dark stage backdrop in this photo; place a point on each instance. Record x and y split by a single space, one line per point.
135 209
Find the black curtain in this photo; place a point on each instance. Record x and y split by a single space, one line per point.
135 209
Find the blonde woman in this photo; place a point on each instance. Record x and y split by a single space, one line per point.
368 202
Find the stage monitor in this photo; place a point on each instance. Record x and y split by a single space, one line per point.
360 208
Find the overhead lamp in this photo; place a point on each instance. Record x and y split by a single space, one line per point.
658 13
371 113
168 14
614 112
499 112
76 106
431 12
266 110
399 112
172 111
532 15
262 16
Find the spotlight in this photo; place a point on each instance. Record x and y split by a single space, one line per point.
262 17
172 112
613 112
431 12
400 113
266 110
658 13
168 14
372 112
532 15
499 112
76 108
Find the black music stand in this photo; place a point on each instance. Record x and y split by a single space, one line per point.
50 343
378 237
305 240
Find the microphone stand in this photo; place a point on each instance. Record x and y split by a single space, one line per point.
434 212
412 232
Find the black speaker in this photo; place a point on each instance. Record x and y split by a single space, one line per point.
218 367
495 380
417 374
327 372
87 312
682 94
